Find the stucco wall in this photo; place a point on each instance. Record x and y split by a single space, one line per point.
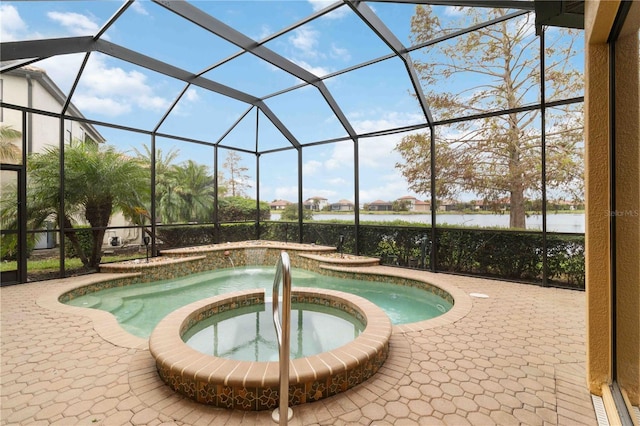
597 268
628 205
599 17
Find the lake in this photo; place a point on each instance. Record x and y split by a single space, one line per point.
556 222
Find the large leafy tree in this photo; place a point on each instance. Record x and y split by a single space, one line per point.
98 181
290 213
491 69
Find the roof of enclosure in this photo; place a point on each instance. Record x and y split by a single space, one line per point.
251 72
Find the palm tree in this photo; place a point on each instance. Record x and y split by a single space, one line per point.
167 200
98 182
9 152
195 187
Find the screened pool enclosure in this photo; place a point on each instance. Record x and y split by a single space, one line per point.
444 135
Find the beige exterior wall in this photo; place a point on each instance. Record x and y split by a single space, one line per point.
628 205
599 17
45 130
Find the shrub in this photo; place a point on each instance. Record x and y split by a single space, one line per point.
85 238
237 209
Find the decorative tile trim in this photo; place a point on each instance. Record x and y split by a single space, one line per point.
321 259
247 385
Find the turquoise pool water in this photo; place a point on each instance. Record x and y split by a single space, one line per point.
140 307
247 334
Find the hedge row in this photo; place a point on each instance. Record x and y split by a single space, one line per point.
198 235
506 254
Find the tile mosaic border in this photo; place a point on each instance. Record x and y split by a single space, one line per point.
248 385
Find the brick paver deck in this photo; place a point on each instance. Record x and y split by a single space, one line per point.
516 357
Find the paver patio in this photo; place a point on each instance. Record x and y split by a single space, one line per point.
516 357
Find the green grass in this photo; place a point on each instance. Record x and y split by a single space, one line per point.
53 265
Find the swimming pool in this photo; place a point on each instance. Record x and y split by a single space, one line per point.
254 385
140 307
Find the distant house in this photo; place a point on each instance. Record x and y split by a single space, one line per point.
415 205
446 205
408 201
479 205
342 206
279 204
422 206
316 203
380 206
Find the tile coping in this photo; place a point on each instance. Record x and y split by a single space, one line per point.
248 385
108 328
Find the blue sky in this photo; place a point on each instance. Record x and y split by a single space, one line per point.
114 91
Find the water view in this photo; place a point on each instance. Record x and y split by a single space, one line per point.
556 222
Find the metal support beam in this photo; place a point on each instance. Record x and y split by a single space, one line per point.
153 64
29 49
222 30
113 19
543 157
503 4
377 26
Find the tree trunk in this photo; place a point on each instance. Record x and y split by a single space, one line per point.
73 238
517 212
98 216
516 186
516 178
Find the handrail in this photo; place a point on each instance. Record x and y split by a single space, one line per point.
283 332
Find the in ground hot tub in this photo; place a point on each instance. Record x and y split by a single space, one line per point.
254 385
248 334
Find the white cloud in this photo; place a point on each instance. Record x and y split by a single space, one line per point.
455 11
114 91
337 182
62 69
315 192
317 5
305 39
75 23
104 80
265 32
379 152
289 193
340 53
318 71
338 13
192 95
386 188
382 120
139 8
12 27
341 156
95 104
373 152
311 167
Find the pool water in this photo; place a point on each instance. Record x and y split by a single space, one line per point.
248 334
140 307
